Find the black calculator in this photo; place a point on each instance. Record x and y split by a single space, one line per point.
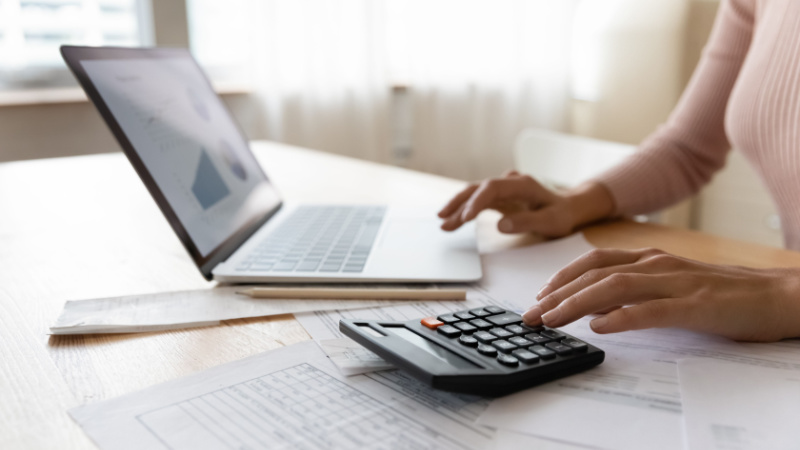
483 351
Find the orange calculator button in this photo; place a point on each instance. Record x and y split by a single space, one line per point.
431 322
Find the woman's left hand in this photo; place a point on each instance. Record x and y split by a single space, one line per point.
636 289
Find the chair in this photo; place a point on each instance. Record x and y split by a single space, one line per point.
562 161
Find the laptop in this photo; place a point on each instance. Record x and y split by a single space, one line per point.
198 167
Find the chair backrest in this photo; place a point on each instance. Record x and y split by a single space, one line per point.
561 160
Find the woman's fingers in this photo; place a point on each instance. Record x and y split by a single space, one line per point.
621 288
614 278
496 191
593 260
658 313
457 201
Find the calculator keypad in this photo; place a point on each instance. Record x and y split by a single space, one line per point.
496 333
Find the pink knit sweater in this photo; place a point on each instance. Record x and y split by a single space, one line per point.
746 93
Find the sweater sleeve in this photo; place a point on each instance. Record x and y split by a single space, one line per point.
681 156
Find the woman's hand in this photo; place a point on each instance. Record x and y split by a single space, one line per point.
649 288
527 206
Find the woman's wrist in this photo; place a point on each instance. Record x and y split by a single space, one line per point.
589 203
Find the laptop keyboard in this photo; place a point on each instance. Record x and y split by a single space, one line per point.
319 239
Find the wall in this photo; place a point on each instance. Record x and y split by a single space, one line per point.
639 76
76 128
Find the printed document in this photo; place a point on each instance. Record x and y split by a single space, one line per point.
351 358
732 406
636 389
291 397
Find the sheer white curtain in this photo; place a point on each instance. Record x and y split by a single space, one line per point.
321 75
478 73
475 73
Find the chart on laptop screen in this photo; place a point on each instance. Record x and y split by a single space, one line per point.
187 141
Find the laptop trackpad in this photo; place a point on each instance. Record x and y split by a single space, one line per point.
412 234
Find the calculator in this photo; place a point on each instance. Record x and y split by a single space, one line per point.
483 351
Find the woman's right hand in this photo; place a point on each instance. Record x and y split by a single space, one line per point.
527 206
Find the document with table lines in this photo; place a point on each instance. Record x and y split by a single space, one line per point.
635 389
292 397
351 358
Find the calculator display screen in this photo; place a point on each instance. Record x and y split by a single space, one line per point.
430 347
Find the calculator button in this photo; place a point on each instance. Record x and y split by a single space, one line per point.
576 345
505 319
479 312
553 334
526 356
485 337
494 309
504 346
448 318
480 323
520 341
469 341
449 331
501 333
516 329
545 353
507 360
537 338
465 327
487 350
464 315
529 329
559 348
431 322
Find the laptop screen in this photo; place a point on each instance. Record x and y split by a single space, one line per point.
186 142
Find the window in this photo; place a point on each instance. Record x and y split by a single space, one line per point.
219 37
32 31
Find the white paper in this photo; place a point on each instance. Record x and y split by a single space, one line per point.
730 406
351 358
171 310
517 275
635 392
292 397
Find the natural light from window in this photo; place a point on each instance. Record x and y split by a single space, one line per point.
32 31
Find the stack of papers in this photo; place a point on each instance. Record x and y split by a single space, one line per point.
292 397
172 310
661 388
